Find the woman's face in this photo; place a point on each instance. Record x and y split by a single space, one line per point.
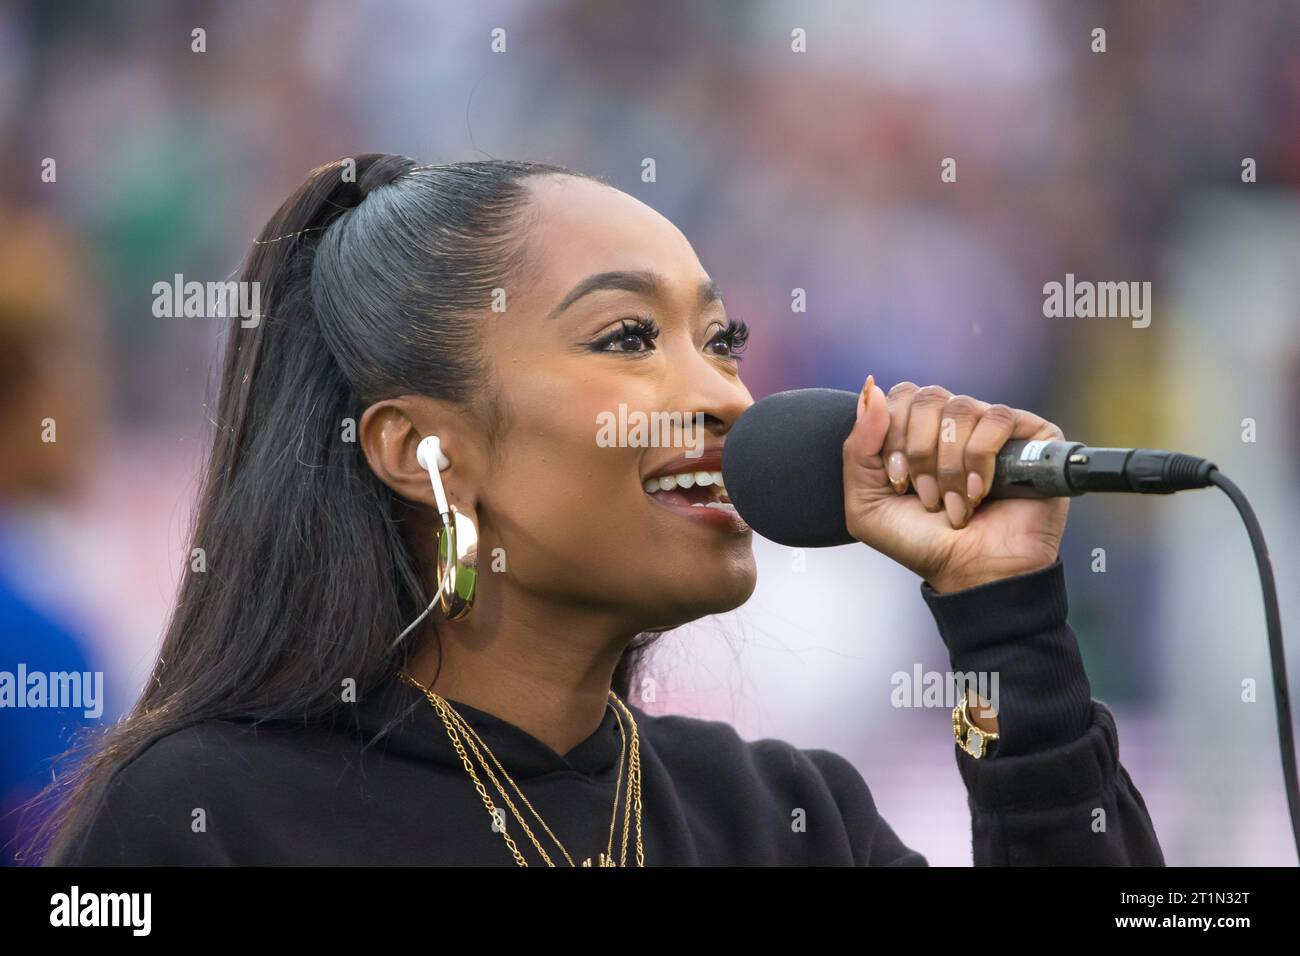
566 498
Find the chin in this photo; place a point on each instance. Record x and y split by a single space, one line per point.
704 594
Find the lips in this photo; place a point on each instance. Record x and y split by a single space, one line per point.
693 488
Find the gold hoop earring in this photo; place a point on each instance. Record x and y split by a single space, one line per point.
457 564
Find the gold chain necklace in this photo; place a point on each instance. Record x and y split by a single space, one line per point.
457 726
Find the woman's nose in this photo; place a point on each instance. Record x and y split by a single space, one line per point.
719 398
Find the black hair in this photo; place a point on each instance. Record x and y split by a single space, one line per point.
370 275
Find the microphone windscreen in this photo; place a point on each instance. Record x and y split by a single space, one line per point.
783 466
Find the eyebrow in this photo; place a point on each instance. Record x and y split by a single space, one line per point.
648 284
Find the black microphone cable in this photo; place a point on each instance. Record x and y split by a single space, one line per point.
1276 653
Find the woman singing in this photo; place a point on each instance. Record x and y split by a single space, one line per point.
393 650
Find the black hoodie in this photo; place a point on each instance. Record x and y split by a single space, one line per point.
389 789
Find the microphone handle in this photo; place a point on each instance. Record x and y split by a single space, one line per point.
1066 469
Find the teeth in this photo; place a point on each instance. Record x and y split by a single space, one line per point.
703 479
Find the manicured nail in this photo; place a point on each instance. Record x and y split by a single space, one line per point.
927 489
974 487
896 468
865 404
956 509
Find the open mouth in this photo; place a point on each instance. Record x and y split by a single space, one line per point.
691 489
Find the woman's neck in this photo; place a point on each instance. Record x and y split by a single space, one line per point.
546 670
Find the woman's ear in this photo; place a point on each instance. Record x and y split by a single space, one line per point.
390 432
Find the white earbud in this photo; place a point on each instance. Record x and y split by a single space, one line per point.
430 449
426 453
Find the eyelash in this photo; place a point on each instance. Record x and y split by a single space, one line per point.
735 334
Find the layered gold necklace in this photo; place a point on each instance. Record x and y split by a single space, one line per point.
461 734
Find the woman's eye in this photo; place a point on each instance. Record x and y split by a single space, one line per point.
730 342
629 341
634 335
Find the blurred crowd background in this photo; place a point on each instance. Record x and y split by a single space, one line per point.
817 170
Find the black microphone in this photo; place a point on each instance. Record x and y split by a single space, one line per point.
783 467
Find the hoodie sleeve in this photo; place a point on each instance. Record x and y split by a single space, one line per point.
1054 791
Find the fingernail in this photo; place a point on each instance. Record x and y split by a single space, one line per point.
956 509
865 404
927 489
974 487
896 468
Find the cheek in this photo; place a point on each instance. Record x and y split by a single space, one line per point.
556 455
559 496
574 519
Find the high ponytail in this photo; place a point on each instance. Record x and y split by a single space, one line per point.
279 261
298 575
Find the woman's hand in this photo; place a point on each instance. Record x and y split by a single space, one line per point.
946 446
